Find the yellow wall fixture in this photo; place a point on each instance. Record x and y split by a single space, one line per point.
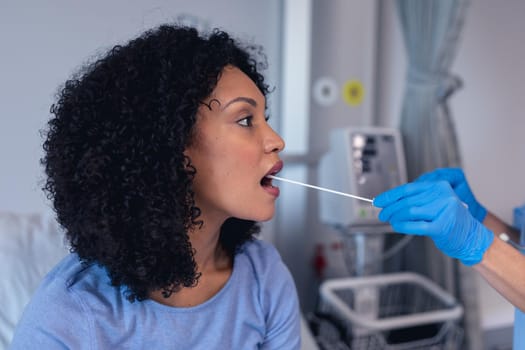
353 92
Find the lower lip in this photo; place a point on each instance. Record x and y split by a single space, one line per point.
274 191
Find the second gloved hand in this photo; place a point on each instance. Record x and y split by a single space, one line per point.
433 209
456 178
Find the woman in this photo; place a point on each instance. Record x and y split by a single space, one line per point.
156 160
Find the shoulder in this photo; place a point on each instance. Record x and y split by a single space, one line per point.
71 277
60 303
259 251
260 262
261 257
276 293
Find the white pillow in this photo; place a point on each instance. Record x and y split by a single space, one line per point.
30 245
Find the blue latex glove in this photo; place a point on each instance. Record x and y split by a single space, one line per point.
433 209
456 178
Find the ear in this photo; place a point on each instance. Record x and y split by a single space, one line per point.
187 159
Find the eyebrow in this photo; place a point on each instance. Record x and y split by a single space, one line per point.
248 100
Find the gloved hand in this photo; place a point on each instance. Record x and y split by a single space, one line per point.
456 178
433 209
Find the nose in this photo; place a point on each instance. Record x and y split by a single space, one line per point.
273 142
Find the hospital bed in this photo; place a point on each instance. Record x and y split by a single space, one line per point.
30 245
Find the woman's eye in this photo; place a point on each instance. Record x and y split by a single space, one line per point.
247 121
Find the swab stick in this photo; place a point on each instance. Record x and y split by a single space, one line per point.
320 188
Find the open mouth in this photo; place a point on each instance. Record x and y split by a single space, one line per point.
266 181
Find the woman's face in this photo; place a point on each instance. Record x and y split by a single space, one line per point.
233 149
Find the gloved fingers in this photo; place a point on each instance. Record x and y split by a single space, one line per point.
408 197
453 217
424 206
417 228
436 218
464 192
434 209
444 220
393 195
454 176
462 236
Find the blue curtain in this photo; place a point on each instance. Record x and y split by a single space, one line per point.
431 29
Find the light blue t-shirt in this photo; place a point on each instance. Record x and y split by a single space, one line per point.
76 308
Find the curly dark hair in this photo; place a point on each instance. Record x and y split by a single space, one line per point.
116 173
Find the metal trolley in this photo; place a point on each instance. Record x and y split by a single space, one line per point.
388 311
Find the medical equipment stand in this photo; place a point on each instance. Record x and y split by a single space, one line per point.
373 310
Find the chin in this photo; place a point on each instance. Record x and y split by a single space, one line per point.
263 216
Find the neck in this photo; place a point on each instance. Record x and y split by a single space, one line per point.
208 251
214 264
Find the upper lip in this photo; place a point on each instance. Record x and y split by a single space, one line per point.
275 169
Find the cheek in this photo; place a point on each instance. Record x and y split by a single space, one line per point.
237 153
246 161
225 159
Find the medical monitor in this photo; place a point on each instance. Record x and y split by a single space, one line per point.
363 161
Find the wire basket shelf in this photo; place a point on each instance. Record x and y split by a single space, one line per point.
397 311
